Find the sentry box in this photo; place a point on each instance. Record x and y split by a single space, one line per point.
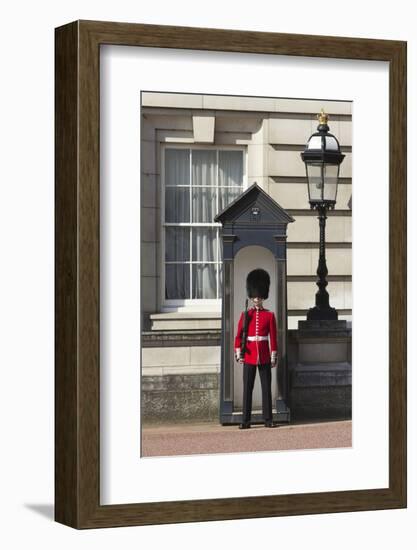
254 235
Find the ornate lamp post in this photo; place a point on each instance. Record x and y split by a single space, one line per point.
322 158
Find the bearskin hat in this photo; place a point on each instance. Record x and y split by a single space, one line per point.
257 284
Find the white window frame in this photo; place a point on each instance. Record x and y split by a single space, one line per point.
191 305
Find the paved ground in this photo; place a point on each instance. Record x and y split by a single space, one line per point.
207 438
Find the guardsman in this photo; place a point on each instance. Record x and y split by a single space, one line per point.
256 346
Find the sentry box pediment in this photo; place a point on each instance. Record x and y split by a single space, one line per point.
254 218
254 206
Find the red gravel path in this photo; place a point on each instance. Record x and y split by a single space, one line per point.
192 439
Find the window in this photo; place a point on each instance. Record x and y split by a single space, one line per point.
198 183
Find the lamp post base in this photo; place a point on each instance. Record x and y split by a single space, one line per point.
322 314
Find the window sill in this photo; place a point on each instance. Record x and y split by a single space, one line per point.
181 338
185 321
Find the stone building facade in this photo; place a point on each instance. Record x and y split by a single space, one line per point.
248 139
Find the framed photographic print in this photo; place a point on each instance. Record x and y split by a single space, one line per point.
230 258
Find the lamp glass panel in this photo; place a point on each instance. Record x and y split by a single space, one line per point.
315 180
314 142
331 144
331 175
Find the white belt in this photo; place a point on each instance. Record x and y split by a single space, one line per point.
257 338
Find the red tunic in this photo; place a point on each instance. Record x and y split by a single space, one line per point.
261 323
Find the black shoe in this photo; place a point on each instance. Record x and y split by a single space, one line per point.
270 424
244 426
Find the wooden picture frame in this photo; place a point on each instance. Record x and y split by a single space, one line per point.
77 381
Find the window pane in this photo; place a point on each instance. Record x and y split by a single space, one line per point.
204 244
177 244
204 281
177 204
227 195
204 204
203 167
220 281
177 281
177 167
230 168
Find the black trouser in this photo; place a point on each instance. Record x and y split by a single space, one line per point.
249 373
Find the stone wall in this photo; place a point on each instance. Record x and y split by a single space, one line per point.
180 398
180 383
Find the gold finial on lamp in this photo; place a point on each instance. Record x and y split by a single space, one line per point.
322 117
